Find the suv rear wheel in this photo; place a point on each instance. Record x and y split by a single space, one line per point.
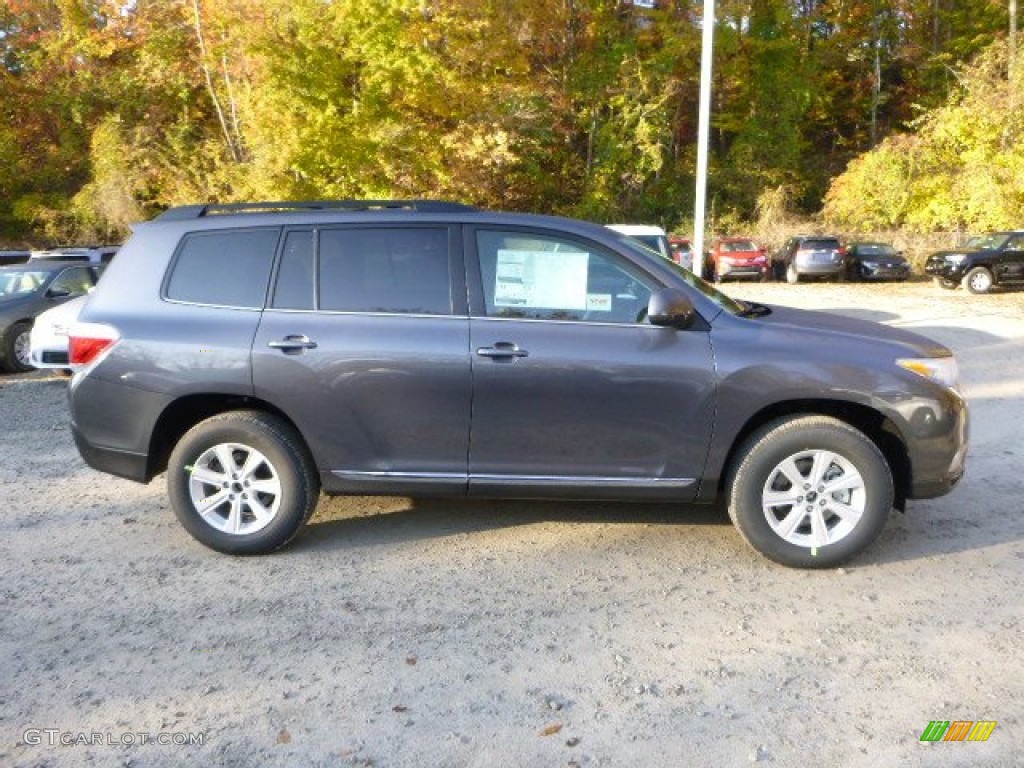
242 482
810 491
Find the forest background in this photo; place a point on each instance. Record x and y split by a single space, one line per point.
867 115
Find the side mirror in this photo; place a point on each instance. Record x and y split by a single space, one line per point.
58 293
670 308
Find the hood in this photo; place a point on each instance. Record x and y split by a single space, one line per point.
893 259
839 327
957 251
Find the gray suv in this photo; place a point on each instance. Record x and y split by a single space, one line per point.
260 353
810 256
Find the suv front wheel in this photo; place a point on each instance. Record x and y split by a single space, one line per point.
810 491
978 280
242 482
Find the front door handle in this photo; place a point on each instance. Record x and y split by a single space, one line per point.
502 349
292 344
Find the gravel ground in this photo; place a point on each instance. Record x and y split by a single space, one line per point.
399 632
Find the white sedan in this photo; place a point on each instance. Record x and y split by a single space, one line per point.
48 341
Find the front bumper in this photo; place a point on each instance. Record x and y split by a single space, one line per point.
944 269
879 272
937 441
755 271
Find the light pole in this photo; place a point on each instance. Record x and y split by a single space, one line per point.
703 135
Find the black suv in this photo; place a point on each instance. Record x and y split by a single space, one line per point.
996 259
259 353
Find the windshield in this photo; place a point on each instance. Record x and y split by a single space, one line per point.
739 246
21 283
873 249
990 242
723 301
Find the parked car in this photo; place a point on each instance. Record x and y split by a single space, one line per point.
27 291
259 354
649 236
731 257
996 259
809 256
875 261
48 340
682 251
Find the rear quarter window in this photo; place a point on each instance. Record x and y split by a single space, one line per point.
225 268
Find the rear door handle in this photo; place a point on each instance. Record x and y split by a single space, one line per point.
502 349
292 344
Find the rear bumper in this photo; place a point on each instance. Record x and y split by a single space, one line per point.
113 425
131 466
49 358
813 269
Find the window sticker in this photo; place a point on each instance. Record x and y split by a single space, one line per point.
541 279
599 302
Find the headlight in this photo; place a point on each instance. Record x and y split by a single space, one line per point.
955 258
942 370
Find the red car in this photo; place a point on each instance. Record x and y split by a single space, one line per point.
682 251
737 257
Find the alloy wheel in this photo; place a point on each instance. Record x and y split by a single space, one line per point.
814 498
235 489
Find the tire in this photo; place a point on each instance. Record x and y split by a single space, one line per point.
792 276
277 460
978 280
840 524
949 285
15 347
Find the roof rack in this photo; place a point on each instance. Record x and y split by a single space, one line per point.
185 212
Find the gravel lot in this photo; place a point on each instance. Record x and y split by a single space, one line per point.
399 632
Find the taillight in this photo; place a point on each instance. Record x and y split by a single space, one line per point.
88 341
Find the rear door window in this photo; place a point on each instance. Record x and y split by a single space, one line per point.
402 270
229 268
294 286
